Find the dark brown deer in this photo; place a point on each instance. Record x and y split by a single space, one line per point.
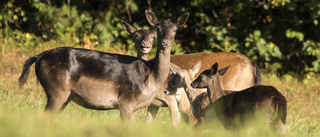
103 81
143 43
261 101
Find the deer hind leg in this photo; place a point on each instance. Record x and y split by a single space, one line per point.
152 113
57 100
279 128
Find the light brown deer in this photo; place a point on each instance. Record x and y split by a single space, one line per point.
99 80
243 73
143 43
261 101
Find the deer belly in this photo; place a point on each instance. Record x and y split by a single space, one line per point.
95 94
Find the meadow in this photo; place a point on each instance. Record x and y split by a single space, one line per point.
21 110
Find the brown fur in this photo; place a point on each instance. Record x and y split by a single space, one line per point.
243 73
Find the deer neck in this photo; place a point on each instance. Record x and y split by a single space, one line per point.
161 67
190 91
185 106
143 56
215 90
159 72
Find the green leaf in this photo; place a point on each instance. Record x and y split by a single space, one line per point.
134 7
257 33
25 19
289 33
23 13
247 44
300 36
315 22
9 4
15 17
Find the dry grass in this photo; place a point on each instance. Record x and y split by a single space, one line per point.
21 110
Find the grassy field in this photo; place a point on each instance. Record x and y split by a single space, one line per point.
21 110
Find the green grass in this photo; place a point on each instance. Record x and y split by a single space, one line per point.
21 110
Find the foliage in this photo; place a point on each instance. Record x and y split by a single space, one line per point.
279 35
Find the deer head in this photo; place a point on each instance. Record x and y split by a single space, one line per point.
143 39
170 29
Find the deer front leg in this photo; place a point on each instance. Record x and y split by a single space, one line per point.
126 113
135 115
174 111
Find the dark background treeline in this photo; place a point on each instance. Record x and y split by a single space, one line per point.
279 35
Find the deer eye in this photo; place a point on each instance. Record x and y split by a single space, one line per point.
136 37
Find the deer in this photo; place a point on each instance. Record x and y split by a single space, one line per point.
143 40
101 80
243 73
260 100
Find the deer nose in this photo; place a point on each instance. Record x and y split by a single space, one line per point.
165 42
145 43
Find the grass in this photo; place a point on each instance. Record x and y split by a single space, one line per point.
21 110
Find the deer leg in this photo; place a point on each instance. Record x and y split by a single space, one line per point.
65 104
126 113
152 113
174 111
135 115
57 100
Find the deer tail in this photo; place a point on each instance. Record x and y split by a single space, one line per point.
282 109
257 74
26 69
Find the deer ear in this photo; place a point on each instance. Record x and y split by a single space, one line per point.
214 69
175 69
152 19
196 67
128 28
182 19
223 70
